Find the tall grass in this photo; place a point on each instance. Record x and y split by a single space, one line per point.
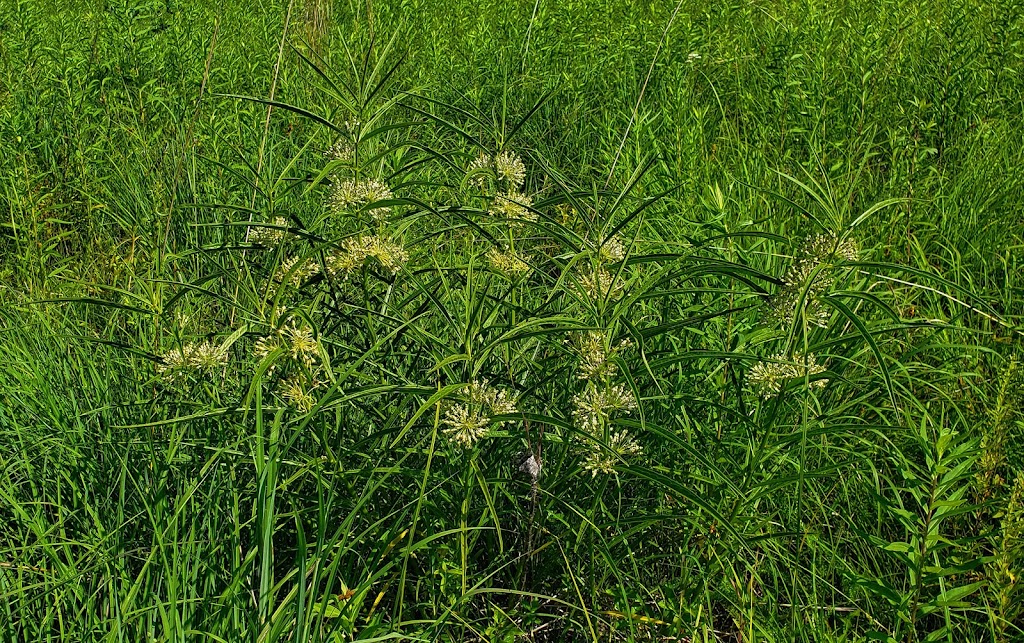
339 334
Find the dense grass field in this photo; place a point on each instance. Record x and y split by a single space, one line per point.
512 321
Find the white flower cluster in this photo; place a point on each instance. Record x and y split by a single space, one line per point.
808 278
770 377
355 251
819 250
469 420
506 167
296 270
513 206
599 283
478 169
511 203
175 365
342 150
352 193
297 341
596 405
510 168
621 446
595 354
595 408
509 263
611 250
266 236
297 391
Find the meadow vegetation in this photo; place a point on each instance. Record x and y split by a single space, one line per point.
588 320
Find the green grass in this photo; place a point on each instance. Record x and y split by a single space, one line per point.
773 246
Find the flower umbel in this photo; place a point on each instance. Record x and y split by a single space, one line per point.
296 393
468 421
514 206
302 345
193 356
818 250
610 250
478 170
496 401
342 150
595 355
352 193
621 446
355 251
600 283
269 237
465 426
297 340
595 405
507 167
509 262
510 169
265 346
770 377
299 269
810 277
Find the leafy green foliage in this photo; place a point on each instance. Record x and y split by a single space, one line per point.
581 321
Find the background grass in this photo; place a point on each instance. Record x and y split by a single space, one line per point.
712 138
